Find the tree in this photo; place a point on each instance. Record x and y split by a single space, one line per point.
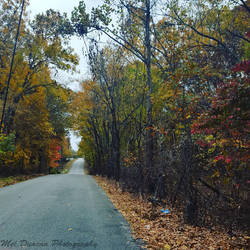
100 20
37 52
185 53
37 108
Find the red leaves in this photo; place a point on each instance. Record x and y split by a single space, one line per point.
228 160
219 158
243 66
55 154
248 34
222 158
202 143
196 129
222 129
207 131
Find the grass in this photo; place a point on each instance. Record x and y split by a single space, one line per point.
10 180
67 167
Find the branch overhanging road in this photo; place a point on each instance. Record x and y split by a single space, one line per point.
61 212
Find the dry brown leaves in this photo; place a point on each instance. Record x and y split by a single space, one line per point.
166 231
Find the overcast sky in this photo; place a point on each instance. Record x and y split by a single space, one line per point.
38 6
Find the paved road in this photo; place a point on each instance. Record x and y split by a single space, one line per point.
77 167
61 212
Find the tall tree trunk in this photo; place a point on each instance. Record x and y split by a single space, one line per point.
191 206
116 156
42 161
190 210
115 145
149 135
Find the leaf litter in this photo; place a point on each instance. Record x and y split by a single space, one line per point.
167 231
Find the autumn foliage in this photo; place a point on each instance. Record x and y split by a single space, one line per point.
37 106
194 117
223 130
164 111
54 156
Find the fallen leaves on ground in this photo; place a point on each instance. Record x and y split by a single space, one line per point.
166 231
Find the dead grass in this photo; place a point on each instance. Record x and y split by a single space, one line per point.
6 181
167 231
10 180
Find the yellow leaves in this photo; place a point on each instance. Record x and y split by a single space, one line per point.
222 142
226 180
168 94
5 30
209 138
216 174
177 132
28 98
21 156
180 126
167 247
32 125
212 149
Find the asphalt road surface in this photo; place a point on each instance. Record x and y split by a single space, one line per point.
67 211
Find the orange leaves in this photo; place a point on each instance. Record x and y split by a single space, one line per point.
130 160
54 153
155 130
161 231
30 115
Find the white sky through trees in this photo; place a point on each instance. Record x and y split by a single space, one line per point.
39 6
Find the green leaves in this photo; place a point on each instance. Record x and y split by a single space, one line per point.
7 143
80 19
